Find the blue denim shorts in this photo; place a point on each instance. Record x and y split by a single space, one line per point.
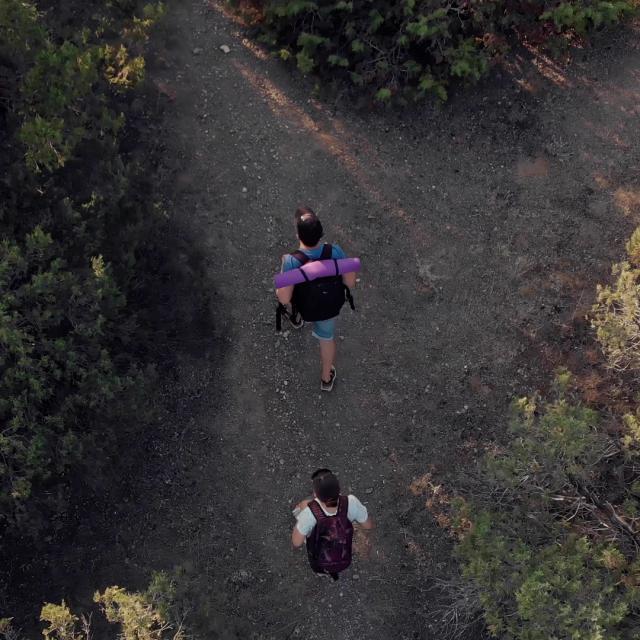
324 329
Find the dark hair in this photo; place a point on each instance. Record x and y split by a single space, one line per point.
326 486
308 226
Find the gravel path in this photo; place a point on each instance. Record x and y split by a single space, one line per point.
483 227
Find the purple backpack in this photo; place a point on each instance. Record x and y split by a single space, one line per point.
329 544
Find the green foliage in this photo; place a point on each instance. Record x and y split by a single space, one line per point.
631 435
555 558
150 615
140 28
45 143
305 62
337 61
428 84
536 591
77 222
20 30
428 26
391 40
616 313
133 612
61 623
582 16
60 100
467 61
550 445
54 326
383 95
121 70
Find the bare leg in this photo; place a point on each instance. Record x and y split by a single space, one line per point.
327 357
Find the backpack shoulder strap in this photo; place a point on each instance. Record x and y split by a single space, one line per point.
317 511
343 506
300 256
327 252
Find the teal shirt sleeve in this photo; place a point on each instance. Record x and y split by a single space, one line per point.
337 252
290 263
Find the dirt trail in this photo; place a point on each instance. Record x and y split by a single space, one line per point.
482 226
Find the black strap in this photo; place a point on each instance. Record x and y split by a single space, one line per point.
300 256
327 252
281 310
347 293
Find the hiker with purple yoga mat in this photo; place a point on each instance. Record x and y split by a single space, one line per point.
316 299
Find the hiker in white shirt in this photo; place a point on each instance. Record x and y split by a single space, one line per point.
326 504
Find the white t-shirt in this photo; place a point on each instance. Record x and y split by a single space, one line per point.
356 512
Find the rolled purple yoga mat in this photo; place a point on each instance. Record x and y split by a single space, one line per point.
316 269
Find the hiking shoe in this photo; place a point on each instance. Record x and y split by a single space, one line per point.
296 321
327 386
324 574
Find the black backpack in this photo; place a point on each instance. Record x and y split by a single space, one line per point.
322 298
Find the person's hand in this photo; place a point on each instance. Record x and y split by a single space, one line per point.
303 504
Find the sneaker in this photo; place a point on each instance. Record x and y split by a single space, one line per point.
322 574
295 320
328 386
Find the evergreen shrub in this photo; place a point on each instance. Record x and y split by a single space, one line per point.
554 552
411 49
81 247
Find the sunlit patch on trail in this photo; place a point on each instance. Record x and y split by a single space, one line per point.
537 167
519 68
628 201
229 14
333 141
255 49
362 545
420 485
601 181
548 68
627 100
438 502
359 159
259 52
354 152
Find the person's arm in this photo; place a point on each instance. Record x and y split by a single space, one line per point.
358 513
297 539
303 504
304 525
284 294
349 279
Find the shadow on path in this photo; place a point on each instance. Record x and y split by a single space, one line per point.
483 227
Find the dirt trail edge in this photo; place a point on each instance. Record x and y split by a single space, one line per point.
482 228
